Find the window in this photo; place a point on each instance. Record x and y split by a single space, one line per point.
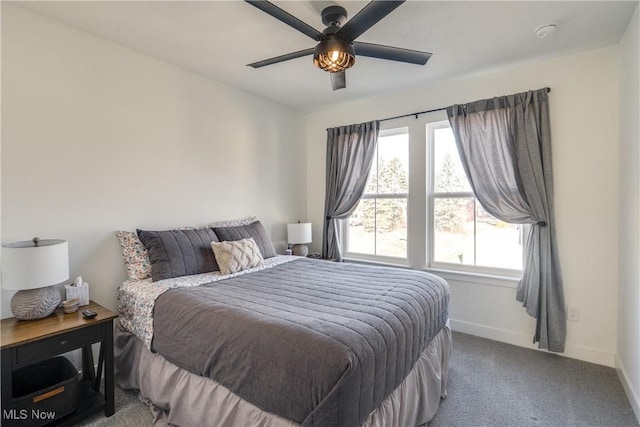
463 233
378 226
428 219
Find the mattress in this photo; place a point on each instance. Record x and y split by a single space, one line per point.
177 397
316 343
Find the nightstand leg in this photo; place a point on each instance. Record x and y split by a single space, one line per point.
88 373
96 381
109 380
7 393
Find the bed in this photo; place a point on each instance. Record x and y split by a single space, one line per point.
287 342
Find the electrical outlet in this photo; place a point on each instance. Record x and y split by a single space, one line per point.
573 313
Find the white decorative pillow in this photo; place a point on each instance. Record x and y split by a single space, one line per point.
135 255
237 255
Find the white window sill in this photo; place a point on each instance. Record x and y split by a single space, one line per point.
465 277
475 278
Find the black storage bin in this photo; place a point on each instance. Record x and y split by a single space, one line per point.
43 392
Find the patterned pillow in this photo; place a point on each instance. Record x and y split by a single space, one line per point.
237 255
136 258
233 223
254 230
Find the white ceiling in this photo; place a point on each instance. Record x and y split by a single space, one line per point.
217 38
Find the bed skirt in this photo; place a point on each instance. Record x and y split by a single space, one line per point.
181 398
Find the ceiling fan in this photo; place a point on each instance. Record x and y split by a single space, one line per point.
337 48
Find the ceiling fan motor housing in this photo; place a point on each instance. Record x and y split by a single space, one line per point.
334 16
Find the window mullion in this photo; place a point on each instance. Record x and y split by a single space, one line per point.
386 196
453 195
375 226
475 232
375 203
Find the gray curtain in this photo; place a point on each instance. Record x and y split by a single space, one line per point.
350 152
505 147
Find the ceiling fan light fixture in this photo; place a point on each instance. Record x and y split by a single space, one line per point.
334 54
336 46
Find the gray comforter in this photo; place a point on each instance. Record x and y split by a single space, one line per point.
317 342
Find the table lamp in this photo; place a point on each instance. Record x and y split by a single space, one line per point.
299 235
32 268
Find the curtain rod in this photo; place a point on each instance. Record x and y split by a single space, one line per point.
425 112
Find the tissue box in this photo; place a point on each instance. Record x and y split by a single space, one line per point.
81 292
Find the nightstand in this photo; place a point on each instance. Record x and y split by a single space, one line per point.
25 342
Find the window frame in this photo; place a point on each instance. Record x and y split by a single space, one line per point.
432 195
344 224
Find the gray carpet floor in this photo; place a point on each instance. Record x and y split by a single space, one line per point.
491 384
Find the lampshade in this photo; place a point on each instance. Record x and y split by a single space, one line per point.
299 233
334 54
34 264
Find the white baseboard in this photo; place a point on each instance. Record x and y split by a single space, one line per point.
520 339
632 394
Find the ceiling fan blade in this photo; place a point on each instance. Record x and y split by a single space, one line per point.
287 18
338 80
367 18
391 53
282 58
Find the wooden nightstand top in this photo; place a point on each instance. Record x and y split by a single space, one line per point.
17 332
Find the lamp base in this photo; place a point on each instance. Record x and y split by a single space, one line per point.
33 304
300 250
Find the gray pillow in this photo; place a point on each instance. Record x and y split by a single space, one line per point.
175 253
254 230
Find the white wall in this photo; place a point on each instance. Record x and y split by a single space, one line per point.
97 137
584 119
628 351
